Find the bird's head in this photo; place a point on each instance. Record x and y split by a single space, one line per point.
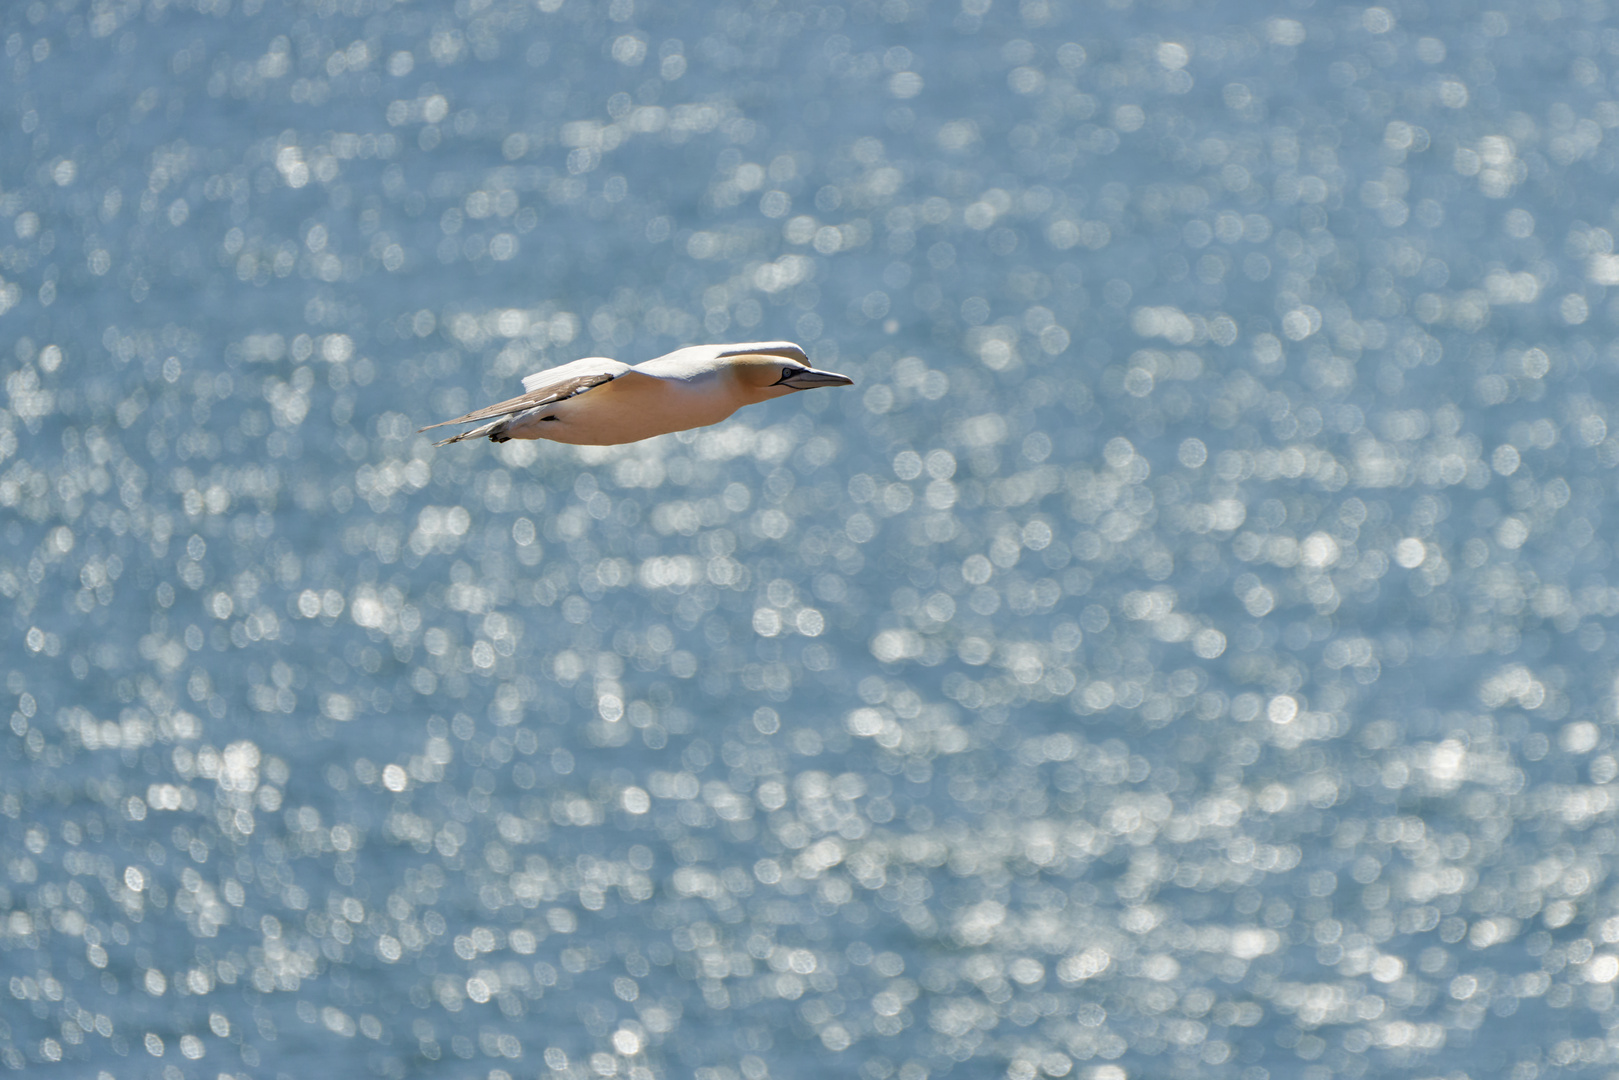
776 368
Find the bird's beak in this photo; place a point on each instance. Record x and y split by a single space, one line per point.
810 378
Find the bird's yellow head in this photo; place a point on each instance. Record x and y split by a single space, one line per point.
773 369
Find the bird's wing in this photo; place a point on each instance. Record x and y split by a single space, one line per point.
549 386
694 359
784 349
590 365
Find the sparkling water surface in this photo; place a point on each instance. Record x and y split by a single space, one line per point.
1186 651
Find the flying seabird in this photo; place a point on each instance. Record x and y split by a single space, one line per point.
602 402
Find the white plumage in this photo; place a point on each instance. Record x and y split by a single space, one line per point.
602 402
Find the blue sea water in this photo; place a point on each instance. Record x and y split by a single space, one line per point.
1186 651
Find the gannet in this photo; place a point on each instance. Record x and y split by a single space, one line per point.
602 402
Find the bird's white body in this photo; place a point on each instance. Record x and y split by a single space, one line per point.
681 390
602 402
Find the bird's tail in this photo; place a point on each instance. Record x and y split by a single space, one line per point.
495 431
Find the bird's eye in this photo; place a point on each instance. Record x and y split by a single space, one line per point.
787 373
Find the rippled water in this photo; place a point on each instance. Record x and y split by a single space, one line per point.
1185 651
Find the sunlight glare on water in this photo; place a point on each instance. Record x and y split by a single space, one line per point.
1183 652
